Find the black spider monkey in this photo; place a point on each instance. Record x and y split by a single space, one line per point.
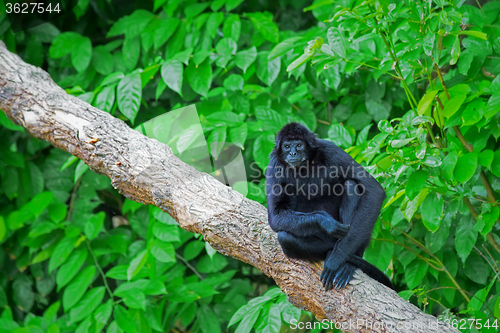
322 204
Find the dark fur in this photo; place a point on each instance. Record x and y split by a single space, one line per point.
323 226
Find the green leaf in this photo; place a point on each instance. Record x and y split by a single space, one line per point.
94 225
271 120
415 272
124 321
171 73
232 26
244 59
166 233
195 9
465 237
473 112
226 47
238 135
131 48
10 182
87 305
416 183
474 33
184 56
379 253
34 53
299 61
336 41
428 43
479 299
76 289
274 319
216 140
131 25
200 77
63 44
492 106
50 314
103 312
22 293
455 51
207 319
263 146
193 249
106 98
81 54
485 158
494 87
267 71
363 135
340 136
234 82
165 30
61 252
465 168
495 165
41 228
487 219
409 208
41 201
3 229
448 164
283 47
163 251
134 298
452 105
432 211
112 79
213 22
7 123
232 4
70 268
425 103
129 93
16 219
401 143
136 264
248 320
81 168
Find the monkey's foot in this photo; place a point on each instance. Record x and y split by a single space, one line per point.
337 278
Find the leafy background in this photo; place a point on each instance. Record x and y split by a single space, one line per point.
411 89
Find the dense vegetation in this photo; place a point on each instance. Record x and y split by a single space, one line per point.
411 89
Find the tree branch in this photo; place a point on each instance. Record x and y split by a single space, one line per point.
147 171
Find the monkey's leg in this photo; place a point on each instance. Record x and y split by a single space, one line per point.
335 273
311 248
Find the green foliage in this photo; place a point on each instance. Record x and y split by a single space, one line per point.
410 89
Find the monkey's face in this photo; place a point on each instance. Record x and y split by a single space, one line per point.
294 152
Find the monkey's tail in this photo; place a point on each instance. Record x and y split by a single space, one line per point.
371 271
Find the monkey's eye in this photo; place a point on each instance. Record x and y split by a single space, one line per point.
287 146
299 145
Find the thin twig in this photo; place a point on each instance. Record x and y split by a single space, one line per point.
178 256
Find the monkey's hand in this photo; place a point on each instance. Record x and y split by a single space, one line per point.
336 272
331 226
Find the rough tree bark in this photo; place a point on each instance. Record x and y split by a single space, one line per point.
147 171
